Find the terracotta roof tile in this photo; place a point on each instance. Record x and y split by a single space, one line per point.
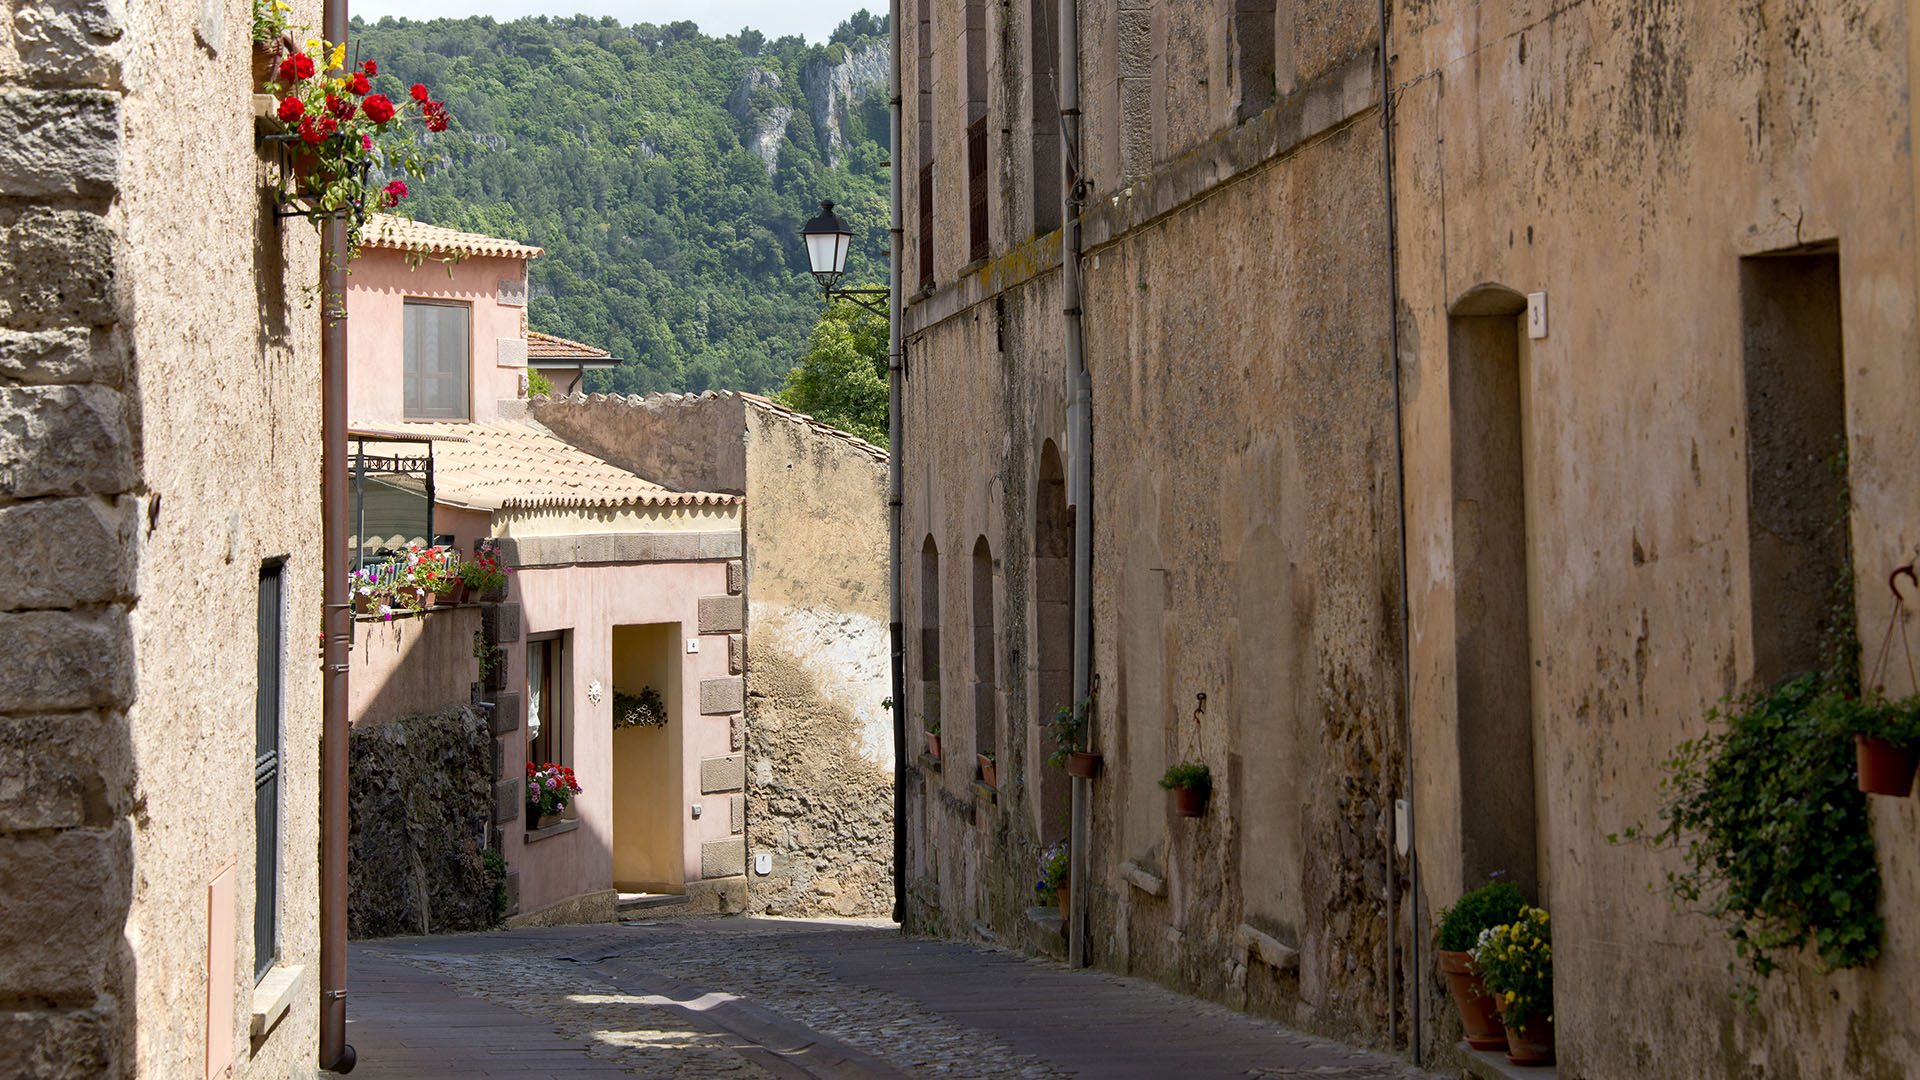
549 347
392 231
519 463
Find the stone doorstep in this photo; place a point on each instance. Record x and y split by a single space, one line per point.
273 997
648 901
1493 1065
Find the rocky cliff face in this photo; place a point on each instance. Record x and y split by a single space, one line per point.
758 102
833 88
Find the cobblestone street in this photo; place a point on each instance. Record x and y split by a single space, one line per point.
760 998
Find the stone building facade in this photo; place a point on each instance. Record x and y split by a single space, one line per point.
816 738
159 437
1609 502
1548 321
1244 538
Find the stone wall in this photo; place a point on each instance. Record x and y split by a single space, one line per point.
1633 163
1245 541
158 428
421 803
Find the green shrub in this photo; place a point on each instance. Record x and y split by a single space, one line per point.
1494 904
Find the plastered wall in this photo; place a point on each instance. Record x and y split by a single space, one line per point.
1622 159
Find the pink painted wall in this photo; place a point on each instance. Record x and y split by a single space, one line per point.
591 601
412 664
376 295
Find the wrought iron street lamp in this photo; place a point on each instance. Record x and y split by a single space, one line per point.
828 239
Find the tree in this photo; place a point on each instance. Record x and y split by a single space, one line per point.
842 377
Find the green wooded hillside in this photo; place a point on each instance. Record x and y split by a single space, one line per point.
639 158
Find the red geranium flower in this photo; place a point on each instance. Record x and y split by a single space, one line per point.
359 84
291 109
344 108
419 93
379 108
371 68
296 67
310 131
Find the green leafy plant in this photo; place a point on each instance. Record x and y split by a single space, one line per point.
645 709
1515 961
270 20
1192 775
489 656
1068 730
1494 904
1896 722
933 728
496 870
1053 864
538 384
1773 832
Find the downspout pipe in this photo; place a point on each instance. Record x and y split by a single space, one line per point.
335 1055
894 621
1079 454
1415 983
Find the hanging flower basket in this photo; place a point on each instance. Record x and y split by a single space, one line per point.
1886 768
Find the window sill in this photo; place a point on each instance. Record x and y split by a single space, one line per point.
273 996
555 829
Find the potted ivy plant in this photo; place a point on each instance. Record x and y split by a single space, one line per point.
1886 739
1191 782
1068 729
1515 961
1055 882
933 740
988 775
1496 903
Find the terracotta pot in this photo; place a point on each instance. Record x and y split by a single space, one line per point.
1531 1043
1477 1013
455 593
987 774
1190 802
365 603
266 58
1885 769
933 746
1082 764
1064 893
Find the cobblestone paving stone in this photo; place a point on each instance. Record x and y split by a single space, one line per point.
829 978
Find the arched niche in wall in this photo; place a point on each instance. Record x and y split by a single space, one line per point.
986 697
1053 645
930 633
1495 725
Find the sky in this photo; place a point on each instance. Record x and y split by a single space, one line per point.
775 18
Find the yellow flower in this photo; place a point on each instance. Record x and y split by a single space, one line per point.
339 57
313 44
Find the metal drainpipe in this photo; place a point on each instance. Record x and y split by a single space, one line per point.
335 1054
893 481
1080 456
1406 627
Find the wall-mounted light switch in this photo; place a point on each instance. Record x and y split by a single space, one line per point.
1537 315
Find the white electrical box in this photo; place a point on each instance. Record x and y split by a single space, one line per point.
1537 315
1402 827
693 645
763 864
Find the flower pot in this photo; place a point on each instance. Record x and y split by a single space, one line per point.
933 746
366 604
1064 893
455 593
1082 764
266 58
1190 802
1531 1043
1477 1013
1885 769
987 774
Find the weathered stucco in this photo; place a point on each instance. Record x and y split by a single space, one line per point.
159 421
1244 535
813 645
1623 159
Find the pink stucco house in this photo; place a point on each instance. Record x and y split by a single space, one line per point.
619 585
